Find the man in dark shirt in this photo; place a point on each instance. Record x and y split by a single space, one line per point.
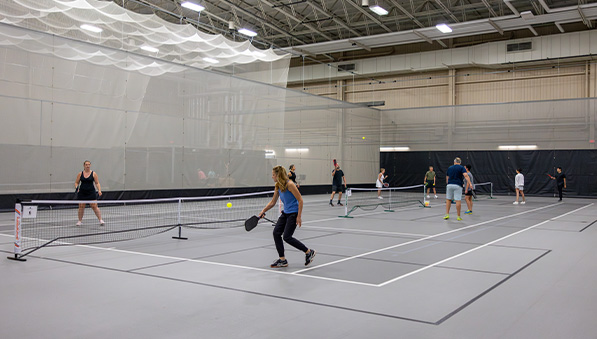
560 181
337 179
456 175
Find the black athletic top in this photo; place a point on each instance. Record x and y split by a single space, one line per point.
560 178
292 176
87 184
337 181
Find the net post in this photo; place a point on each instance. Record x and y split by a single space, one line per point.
491 191
389 202
17 242
346 213
179 237
425 204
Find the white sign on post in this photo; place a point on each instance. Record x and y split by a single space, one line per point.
29 212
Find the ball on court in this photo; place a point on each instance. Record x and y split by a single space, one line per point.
363 138
229 205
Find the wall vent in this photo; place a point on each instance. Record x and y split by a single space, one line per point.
519 47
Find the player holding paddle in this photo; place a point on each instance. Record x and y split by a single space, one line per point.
286 190
560 179
379 183
88 181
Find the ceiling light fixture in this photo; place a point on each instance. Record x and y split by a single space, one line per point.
150 49
394 149
192 6
91 28
247 32
378 10
443 28
517 147
211 60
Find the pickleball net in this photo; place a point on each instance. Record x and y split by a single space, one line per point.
369 199
46 223
484 190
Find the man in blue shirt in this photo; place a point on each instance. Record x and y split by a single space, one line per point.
455 179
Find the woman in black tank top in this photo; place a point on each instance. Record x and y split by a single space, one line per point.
292 175
86 191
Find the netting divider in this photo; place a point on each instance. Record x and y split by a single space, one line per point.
17 242
180 237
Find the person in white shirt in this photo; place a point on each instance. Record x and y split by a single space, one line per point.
519 186
379 182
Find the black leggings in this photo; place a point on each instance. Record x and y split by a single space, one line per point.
284 229
560 187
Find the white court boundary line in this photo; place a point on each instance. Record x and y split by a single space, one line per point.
479 247
333 279
421 239
214 263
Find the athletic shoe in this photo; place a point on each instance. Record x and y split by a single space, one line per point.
331 203
459 218
340 204
427 196
468 212
309 257
522 203
79 223
435 197
515 203
447 217
380 197
453 201
279 263
102 223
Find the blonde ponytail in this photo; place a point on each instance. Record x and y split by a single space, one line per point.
282 178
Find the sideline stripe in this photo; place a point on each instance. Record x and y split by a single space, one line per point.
478 247
421 239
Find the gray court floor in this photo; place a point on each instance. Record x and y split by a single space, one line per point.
525 271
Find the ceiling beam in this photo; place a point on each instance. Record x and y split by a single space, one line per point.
367 14
490 9
497 28
297 18
334 17
407 13
423 36
447 10
584 18
363 46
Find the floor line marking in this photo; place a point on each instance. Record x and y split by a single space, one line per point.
420 239
476 248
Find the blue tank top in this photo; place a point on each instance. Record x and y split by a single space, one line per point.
289 201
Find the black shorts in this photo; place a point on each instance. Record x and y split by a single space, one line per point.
430 184
338 189
469 193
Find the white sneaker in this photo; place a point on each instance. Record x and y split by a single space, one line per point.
427 196
522 203
435 197
79 223
102 222
380 197
515 203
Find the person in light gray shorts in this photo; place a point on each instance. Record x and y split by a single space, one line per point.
519 186
455 177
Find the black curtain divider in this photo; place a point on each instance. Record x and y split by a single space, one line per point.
499 167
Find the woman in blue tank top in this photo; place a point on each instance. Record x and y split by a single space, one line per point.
291 216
